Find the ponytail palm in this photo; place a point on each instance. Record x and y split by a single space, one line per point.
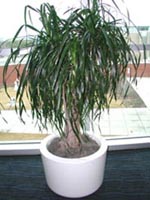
74 65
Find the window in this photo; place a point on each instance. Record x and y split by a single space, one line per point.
11 128
127 118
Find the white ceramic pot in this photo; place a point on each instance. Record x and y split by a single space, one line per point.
77 177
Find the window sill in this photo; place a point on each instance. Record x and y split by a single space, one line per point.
20 148
33 147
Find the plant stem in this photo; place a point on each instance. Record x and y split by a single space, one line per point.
71 126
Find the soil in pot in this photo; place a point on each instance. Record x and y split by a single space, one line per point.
60 148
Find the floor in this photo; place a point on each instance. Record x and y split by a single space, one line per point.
126 177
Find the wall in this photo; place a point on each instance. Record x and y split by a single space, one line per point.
12 74
143 70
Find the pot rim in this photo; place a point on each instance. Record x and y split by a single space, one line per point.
100 152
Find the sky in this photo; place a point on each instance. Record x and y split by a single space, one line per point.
12 12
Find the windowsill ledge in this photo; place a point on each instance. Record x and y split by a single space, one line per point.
33 147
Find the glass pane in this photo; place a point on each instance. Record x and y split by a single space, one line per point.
11 128
131 117
126 118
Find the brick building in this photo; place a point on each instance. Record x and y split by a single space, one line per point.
143 71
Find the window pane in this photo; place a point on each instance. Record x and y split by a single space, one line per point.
128 118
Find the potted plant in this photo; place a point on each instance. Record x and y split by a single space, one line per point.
72 71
